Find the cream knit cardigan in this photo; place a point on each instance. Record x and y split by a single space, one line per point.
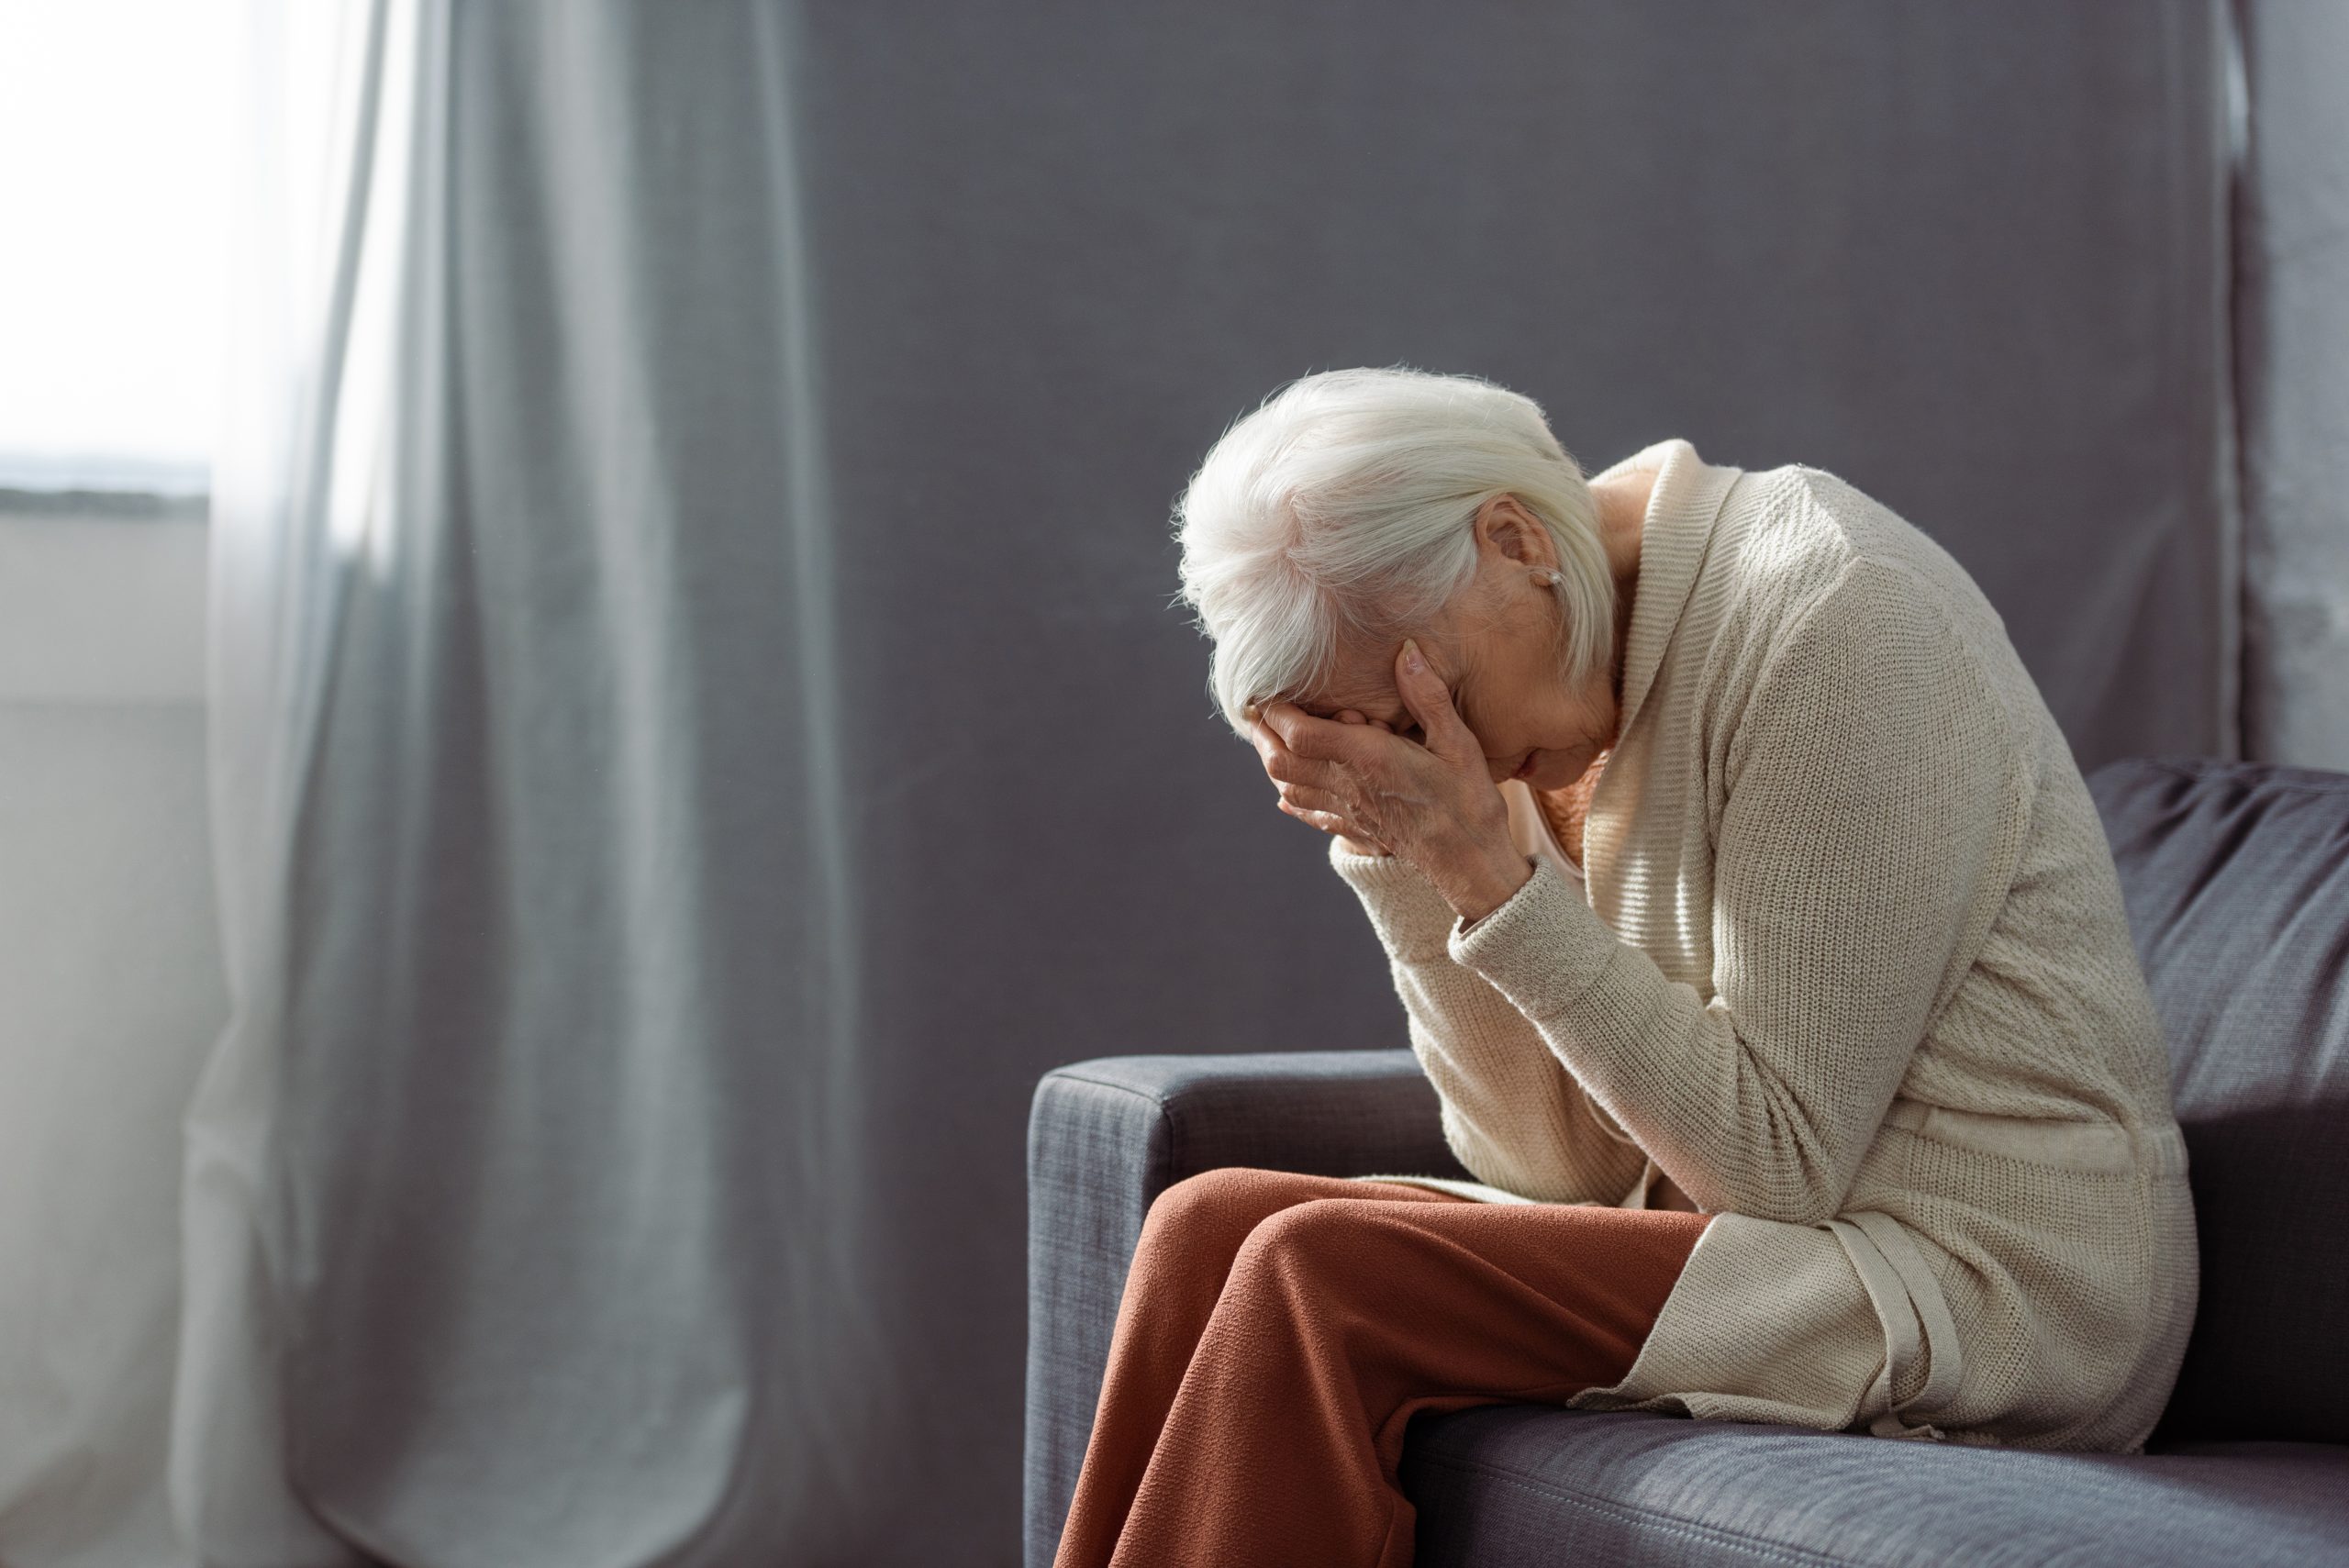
1851 967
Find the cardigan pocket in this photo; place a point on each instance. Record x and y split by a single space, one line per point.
2074 1145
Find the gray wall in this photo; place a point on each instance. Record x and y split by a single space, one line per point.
110 972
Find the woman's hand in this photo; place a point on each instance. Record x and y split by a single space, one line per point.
1270 745
1434 804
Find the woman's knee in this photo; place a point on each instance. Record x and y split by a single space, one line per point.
1229 1200
1326 1242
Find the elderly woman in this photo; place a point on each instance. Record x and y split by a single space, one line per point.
1757 933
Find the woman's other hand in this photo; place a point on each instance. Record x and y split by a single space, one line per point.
1435 804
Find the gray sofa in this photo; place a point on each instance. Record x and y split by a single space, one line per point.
2237 882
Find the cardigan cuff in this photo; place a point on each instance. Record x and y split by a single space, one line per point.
1410 916
1543 948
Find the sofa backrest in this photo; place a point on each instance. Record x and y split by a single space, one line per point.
2236 877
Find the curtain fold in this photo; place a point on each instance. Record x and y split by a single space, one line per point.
331 93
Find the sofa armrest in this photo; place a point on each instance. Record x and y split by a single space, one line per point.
1106 1137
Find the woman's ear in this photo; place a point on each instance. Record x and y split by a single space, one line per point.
1503 524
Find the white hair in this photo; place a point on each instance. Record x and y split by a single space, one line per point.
1342 507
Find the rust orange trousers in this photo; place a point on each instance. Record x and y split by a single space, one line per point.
1278 1332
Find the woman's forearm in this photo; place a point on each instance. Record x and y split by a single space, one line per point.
1512 1113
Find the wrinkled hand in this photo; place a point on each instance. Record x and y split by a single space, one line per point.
1434 805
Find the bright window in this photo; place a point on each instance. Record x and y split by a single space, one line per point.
115 130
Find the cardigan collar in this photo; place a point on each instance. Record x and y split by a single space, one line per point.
1674 536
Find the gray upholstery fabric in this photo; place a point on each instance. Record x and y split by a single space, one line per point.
2237 882
1514 1486
1106 1137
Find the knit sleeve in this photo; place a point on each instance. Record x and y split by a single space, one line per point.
1870 824
1512 1113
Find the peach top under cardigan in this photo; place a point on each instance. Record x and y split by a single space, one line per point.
1851 967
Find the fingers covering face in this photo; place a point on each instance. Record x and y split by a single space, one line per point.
1316 740
1306 783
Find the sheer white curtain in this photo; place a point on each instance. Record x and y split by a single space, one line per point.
341 159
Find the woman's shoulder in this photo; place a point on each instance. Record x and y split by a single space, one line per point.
1836 623
1803 553
1804 531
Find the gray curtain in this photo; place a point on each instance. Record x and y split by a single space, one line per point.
2292 312
764 746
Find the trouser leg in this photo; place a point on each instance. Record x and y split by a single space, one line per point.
1188 1241
1340 1320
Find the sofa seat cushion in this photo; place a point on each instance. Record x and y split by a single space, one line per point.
1516 1485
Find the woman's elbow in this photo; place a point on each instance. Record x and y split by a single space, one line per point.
1796 1192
